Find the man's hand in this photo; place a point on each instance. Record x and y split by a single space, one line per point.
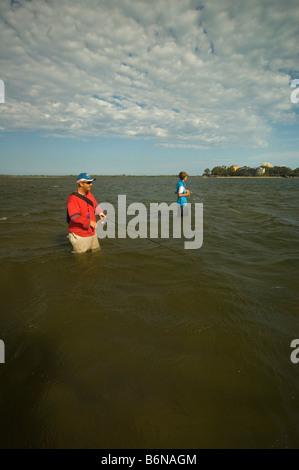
93 223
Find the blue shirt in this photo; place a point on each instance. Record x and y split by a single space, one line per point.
182 201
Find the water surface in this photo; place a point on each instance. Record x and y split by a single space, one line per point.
148 346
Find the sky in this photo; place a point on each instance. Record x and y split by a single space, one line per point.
147 87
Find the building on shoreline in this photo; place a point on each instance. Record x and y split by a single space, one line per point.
265 169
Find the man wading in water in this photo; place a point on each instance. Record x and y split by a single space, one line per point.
81 217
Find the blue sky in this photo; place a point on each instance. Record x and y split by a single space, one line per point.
147 86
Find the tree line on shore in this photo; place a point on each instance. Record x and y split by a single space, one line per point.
247 171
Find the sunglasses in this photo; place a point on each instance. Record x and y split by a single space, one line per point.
87 182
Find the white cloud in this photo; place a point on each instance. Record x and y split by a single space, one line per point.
180 72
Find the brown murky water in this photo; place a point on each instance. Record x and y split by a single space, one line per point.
138 346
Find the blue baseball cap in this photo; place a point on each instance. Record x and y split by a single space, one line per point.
84 177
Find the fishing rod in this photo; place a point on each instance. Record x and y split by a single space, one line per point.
147 238
226 207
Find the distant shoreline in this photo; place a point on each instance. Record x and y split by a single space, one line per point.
94 176
149 176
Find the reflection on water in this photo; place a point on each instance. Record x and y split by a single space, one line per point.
141 346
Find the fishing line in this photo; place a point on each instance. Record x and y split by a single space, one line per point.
149 239
230 208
